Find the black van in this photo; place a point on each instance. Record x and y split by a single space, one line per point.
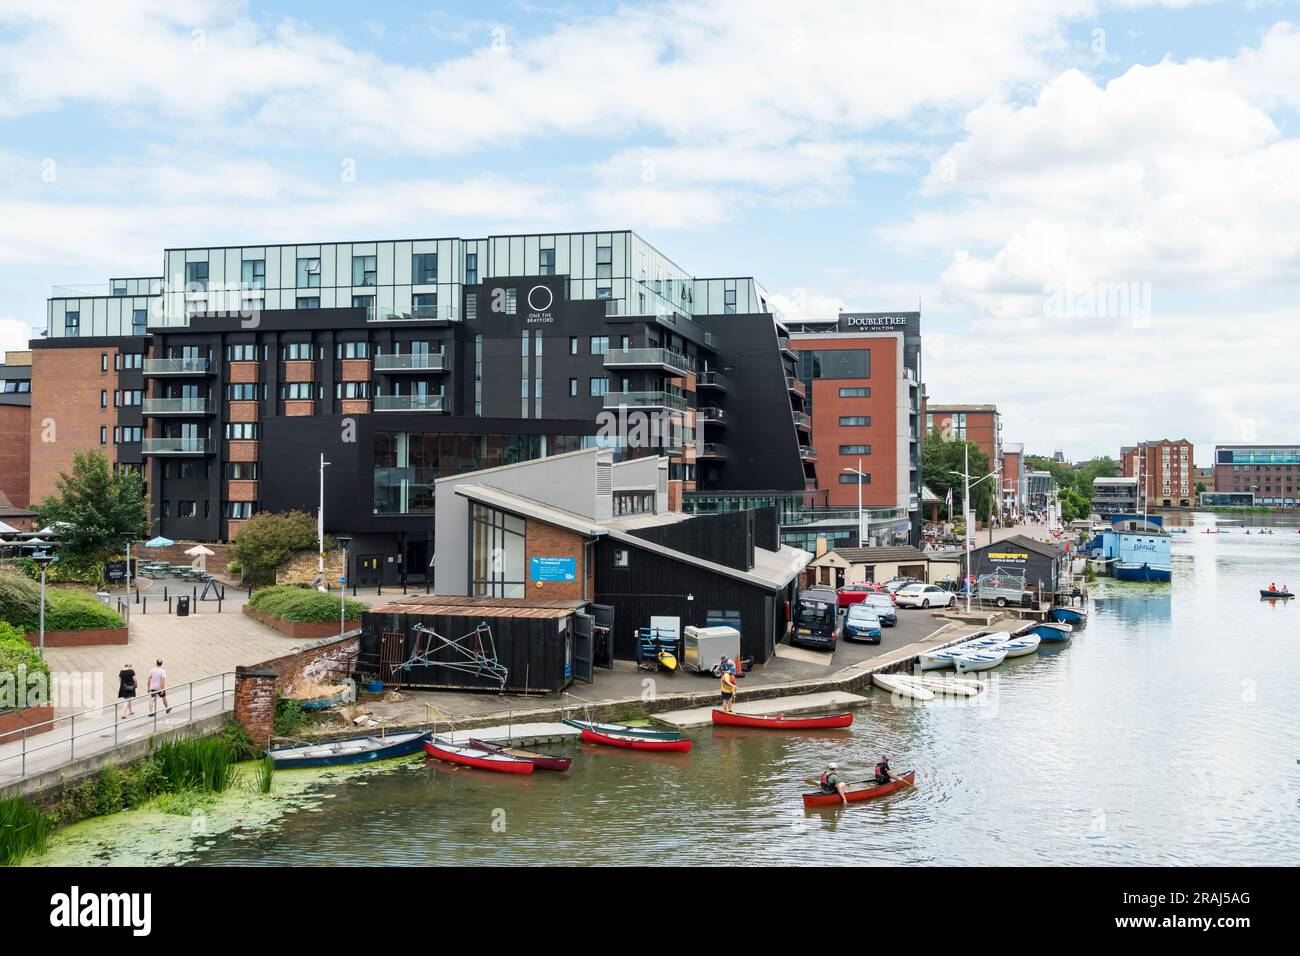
815 619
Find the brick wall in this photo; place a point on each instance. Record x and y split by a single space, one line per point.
302 568
256 687
255 701
15 453
544 540
66 417
175 554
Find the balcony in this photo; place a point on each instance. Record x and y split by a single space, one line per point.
177 366
665 359
176 446
711 378
430 362
408 403
807 453
711 449
801 420
796 386
176 406
710 415
419 313
653 399
786 347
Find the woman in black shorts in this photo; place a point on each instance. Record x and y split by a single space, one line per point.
126 688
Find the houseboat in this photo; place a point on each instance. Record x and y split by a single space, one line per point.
1135 548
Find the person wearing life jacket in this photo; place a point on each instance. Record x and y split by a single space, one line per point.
728 689
883 773
831 782
1272 587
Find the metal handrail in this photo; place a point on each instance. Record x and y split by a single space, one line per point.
98 729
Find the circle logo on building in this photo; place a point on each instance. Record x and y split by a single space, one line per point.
540 298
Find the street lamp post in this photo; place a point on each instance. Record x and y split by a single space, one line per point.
42 559
858 471
968 514
343 542
130 541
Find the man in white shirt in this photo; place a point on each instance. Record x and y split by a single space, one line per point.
158 687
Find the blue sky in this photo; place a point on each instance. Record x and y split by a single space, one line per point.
991 162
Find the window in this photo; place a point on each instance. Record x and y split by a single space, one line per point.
573 345
240 470
854 478
604 262
129 396
729 302
241 431
252 273
853 420
835 363
352 390
128 360
352 350
308 302
573 388
366 302
600 345
103 434
496 553
241 353
185 470
297 391
139 321
622 558
599 386
471 268
241 392
72 323
308 273
103 361
424 268
424 305
512 301
604 292
127 434
855 393
119 287
546 265
855 449
471 306
295 351
186 509
103 398
364 270
196 276
237 509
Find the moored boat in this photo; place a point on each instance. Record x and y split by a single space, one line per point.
680 745
540 761
722 718
352 750
474 757
1021 646
979 660
1053 632
903 686
937 660
1064 614
948 686
621 729
862 790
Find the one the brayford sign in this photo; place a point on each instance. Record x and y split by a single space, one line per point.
540 298
879 321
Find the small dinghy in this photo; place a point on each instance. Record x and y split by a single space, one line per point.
996 639
1069 615
474 757
903 686
722 718
628 742
352 750
979 660
856 792
1021 646
621 729
937 660
948 686
540 761
1275 595
1052 632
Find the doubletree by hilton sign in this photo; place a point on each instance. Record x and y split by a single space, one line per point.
908 322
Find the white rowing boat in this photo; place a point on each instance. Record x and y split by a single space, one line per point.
979 660
948 686
902 685
1020 646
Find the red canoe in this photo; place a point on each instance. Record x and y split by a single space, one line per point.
637 743
540 761
473 757
780 722
863 790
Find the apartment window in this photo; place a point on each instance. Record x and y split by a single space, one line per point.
573 388
471 306
573 345
252 273
471 268
119 287
127 434
546 264
241 353
308 302
186 509
237 509
365 270
352 390
196 276
295 351
855 420
241 431
600 345
72 323
855 393
103 398
366 302
186 470
604 292
424 268
855 449
512 301
835 363
103 361
297 391
478 375
239 470
309 273
103 434
241 392
854 478
139 321
729 302
599 386
424 305
164 508
352 350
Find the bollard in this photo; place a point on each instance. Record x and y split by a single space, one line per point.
218 604
222 595
144 606
137 597
164 590
169 605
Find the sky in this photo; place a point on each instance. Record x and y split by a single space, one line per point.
1095 203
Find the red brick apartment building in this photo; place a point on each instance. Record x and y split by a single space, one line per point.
1167 469
15 427
980 424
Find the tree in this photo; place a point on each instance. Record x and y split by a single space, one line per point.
943 456
265 541
97 507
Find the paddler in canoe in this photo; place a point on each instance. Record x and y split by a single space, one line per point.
830 782
883 774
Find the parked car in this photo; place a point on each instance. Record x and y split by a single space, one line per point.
815 619
924 596
896 585
883 605
852 594
861 624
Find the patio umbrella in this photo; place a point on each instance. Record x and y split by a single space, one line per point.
201 553
159 542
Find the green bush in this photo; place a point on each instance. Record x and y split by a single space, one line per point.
289 717
69 569
292 603
16 653
265 541
233 567
78 611
20 602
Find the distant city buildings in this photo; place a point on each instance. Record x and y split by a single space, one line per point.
1164 470
1256 474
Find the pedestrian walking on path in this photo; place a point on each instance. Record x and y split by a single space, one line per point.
126 685
158 687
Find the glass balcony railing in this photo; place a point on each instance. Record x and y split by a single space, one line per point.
713 449
430 362
175 406
652 399
408 403
175 446
796 386
414 313
657 358
712 378
176 366
711 415
802 420
806 452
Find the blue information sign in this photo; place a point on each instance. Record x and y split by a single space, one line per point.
553 569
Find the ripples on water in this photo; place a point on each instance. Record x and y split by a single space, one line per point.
1165 733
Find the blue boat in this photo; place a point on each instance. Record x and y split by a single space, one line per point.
1068 615
1137 548
335 753
1050 632
1128 571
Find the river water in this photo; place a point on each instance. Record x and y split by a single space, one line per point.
1164 733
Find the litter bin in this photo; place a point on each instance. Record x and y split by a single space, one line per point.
183 605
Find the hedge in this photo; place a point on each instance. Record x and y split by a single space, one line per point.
78 611
20 602
15 652
292 603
